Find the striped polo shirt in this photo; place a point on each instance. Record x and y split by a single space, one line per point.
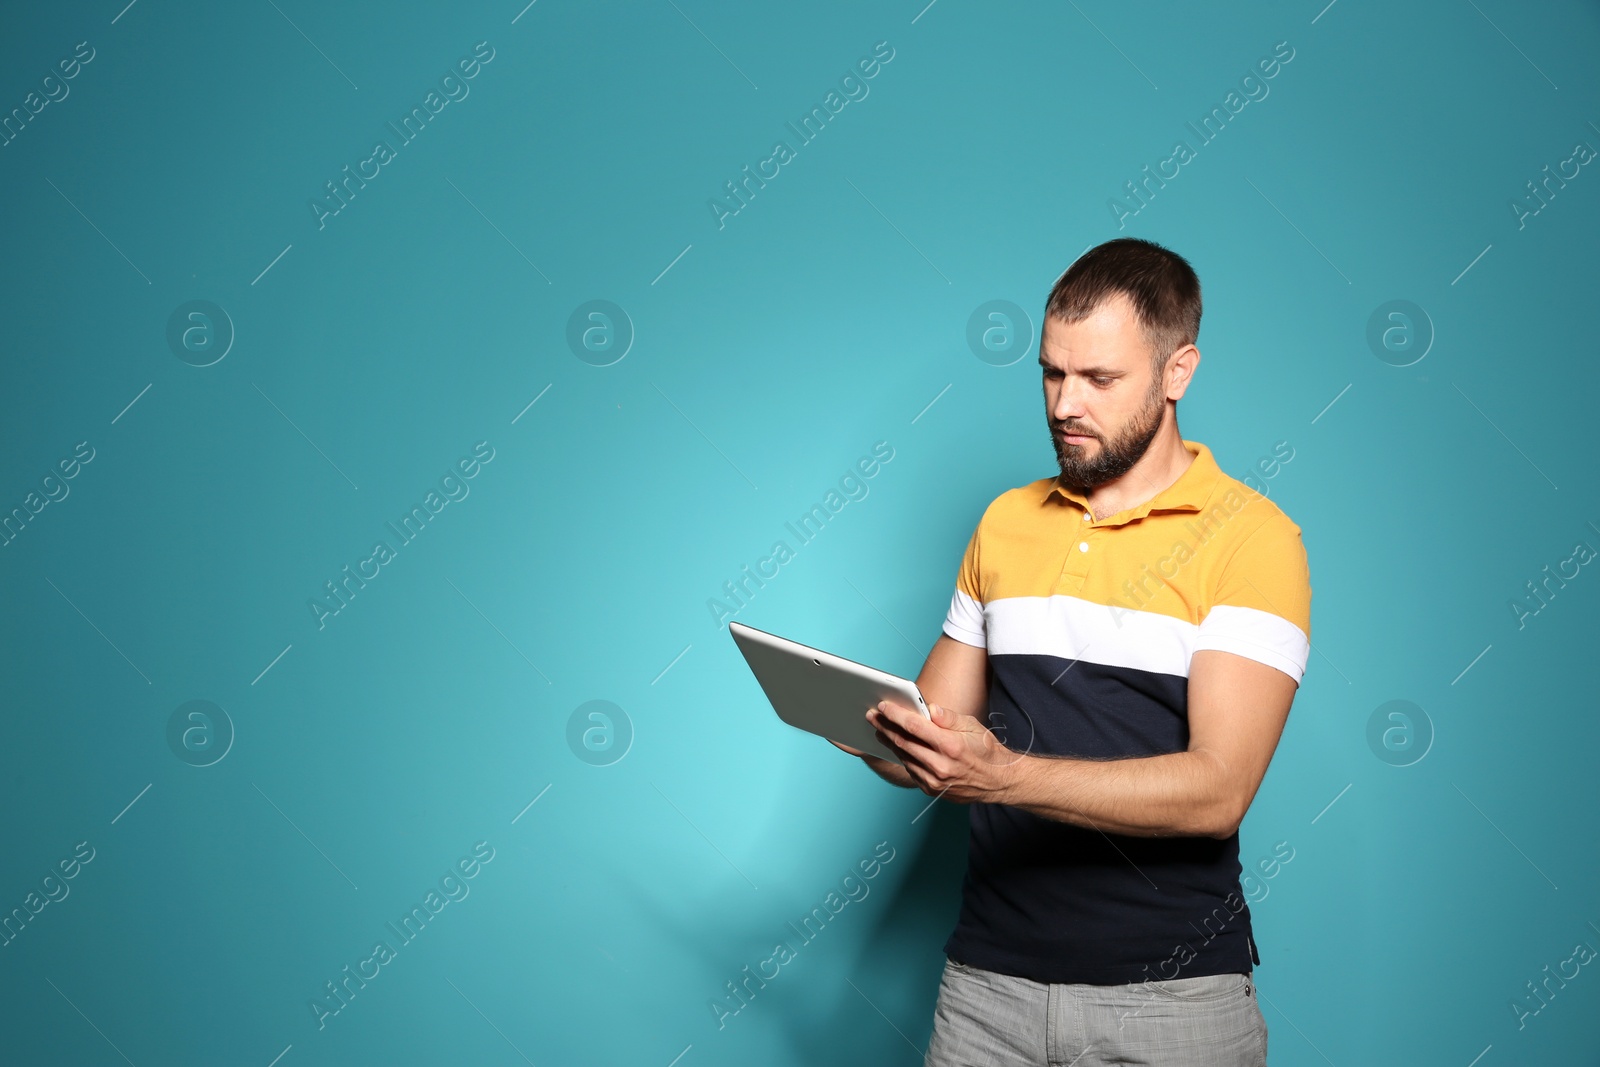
1089 626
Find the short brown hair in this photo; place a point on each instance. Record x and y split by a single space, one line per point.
1164 289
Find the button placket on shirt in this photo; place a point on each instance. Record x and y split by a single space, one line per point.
1070 581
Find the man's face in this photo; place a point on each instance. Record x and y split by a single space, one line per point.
1103 402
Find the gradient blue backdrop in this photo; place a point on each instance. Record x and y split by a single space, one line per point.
368 755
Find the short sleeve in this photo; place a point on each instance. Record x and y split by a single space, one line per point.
964 621
1261 607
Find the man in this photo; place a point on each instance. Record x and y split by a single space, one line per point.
1116 667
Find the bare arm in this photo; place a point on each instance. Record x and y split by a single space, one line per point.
955 676
1237 709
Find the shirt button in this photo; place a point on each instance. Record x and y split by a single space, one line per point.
1083 546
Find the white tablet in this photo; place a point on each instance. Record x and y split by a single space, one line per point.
822 693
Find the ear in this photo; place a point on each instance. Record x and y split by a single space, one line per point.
1180 371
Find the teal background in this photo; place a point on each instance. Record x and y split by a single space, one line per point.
769 355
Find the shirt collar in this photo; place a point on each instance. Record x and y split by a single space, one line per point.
1189 493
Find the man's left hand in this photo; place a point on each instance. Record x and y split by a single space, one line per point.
951 754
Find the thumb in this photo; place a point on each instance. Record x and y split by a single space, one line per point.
959 721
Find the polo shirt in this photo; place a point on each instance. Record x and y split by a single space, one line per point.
1090 625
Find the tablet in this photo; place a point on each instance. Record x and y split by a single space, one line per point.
821 693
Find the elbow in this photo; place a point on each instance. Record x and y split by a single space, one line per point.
1223 819
1224 799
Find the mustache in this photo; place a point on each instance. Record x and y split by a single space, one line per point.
1057 427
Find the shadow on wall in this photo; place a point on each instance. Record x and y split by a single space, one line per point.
891 952
896 964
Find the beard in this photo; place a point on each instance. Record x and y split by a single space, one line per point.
1081 472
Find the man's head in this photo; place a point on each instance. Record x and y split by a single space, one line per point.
1116 350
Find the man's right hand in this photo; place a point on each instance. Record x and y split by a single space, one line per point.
891 772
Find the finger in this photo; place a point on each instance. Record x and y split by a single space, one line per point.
847 748
892 742
913 725
911 755
890 728
923 779
921 763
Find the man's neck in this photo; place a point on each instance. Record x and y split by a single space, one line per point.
1161 465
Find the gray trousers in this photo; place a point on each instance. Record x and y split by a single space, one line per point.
984 1019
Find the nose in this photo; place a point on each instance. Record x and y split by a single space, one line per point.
1069 400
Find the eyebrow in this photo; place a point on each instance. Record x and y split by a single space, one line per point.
1092 371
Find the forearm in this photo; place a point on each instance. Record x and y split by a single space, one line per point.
1181 794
